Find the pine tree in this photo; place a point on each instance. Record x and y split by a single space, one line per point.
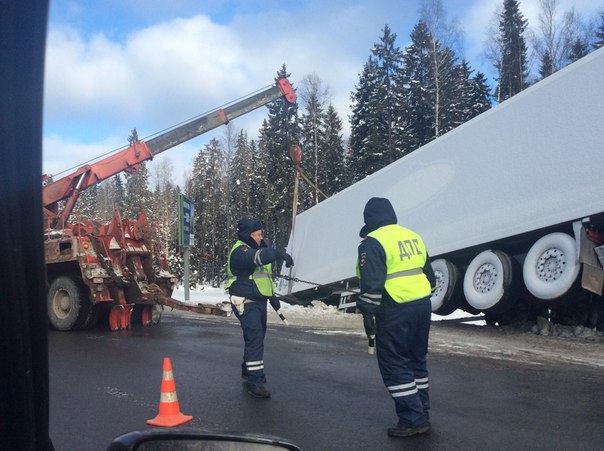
388 106
578 50
333 176
362 158
312 138
512 67
138 196
209 199
600 33
165 221
280 131
258 170
547 65
118 195
461 111
110 195
240 178
86 206
378 131
481 98
417 75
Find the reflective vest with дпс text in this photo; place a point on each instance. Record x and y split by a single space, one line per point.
405 258
261 276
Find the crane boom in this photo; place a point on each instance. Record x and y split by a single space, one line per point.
129 159
220 117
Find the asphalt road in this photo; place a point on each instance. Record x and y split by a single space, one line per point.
326 391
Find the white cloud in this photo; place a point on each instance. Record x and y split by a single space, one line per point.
175 70
61 154
100 86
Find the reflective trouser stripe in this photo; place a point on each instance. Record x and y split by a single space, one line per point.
422 383
408 272
402 390
255 366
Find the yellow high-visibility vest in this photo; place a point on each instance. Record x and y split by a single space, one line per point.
262 275
405 258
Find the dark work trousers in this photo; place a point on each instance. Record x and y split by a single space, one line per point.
253 324
401 346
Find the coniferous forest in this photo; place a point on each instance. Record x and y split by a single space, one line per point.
404 98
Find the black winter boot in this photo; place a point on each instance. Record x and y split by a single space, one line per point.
404 431
257 390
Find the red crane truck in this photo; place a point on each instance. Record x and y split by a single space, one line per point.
118 267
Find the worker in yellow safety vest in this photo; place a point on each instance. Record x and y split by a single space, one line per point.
250 285
396 280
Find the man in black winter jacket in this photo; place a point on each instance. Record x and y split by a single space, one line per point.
396 279
250 286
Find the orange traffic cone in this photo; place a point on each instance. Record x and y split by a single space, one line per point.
169 411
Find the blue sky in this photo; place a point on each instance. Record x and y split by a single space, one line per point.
113 65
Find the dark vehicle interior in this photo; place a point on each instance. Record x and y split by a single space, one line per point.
24 407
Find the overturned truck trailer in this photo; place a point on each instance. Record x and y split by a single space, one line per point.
510 204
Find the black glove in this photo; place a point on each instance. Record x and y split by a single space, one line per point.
369 324
276 303
289 261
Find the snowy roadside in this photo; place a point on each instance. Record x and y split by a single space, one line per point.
457 334
320 315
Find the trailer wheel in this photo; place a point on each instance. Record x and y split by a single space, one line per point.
551 266
488 281
445 298
67 304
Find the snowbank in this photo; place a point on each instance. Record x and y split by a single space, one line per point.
319 314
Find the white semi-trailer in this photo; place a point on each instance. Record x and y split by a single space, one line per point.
510 205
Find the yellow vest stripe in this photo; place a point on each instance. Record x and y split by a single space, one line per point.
407 272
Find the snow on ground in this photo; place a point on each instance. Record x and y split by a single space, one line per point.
319 315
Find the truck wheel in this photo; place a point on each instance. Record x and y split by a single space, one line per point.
551 266
445 298
92 318
488 280
68 307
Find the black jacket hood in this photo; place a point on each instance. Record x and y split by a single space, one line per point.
245 227
378 213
